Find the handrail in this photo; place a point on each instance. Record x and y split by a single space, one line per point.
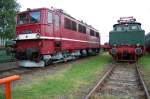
7 81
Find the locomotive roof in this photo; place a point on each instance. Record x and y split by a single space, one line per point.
28 9
60 11
126 23
81 22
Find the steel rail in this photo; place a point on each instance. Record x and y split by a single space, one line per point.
107 74
14 71
100 83
143 83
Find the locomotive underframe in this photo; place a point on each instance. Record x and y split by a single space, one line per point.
127 53
38 53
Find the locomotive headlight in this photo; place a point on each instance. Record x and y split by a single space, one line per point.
129 45
138 44
17 37
114 51
37 35
138 51
115 45
38 30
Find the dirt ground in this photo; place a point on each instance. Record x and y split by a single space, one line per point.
51 70
9 65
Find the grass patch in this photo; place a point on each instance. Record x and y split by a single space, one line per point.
65 82
145 68
4 57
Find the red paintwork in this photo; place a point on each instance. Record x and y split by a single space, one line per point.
105 47
130 50
47 46
148 49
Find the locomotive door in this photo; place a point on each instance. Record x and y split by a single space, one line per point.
57 31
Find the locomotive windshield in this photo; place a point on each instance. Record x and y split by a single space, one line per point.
26 18
22 18
127 27
34 17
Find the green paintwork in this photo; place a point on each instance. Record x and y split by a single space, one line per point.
127 37
147 40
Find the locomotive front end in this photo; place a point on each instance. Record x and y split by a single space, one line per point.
127 40
30 36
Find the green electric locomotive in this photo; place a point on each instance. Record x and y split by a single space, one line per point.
126 40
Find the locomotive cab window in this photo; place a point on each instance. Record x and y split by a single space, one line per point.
22 19
134 27
34 17
28 17
118 28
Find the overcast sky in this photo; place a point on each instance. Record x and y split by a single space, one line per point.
101 14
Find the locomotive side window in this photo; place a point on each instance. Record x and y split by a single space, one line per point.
67 23
74 26
139 27
84 29
81 28
57 20
49 17
88 31
94 33
91 32
97 34
34 17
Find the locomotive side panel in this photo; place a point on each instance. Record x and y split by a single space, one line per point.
71 37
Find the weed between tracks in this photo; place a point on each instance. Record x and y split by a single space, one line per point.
65 82
145 68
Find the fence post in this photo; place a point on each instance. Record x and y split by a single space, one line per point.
7 81
8 90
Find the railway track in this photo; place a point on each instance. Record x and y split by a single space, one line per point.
121 81
14 71
17 70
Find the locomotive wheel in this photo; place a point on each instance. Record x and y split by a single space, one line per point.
48 62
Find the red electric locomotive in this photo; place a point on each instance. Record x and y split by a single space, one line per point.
126 40
49 35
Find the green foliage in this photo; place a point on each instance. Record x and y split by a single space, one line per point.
145 68
4 57
145 61
8 10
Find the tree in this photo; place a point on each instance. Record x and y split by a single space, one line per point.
8 10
